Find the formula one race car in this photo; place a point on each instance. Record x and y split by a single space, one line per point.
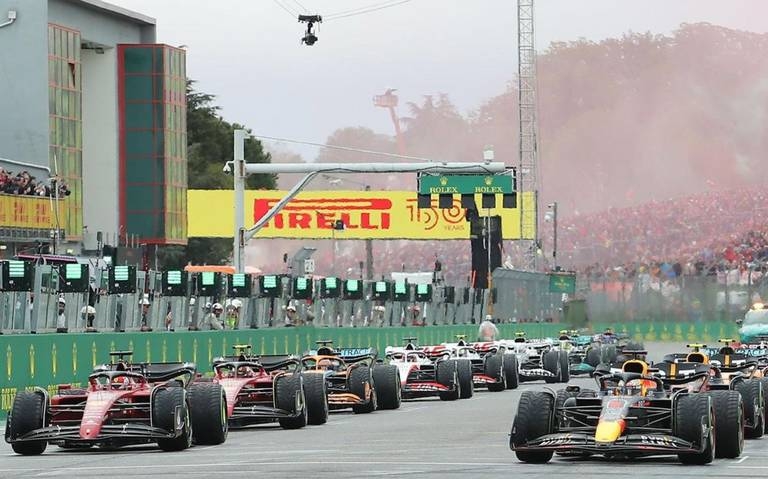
486 366
123 404
260 391
632 414
618 365
582 356
538 359
354 378
754 326
727 370
610 346
421 376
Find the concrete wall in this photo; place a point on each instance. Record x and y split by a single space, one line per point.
100 140
94 25
24 80
100 105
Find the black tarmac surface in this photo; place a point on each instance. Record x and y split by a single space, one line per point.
424 439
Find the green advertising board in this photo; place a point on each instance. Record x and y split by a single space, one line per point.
465 184
562 283
49 359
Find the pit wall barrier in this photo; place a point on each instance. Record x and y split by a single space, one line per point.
47 360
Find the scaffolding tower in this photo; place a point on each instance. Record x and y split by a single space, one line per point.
528 177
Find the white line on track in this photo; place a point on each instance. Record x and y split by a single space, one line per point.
258 463
415 408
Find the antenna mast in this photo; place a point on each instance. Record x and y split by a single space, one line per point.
528 177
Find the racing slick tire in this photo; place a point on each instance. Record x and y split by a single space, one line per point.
27 414
593 357
752 396
287 386
494 367
386 377
764 384
316 397
565 367
466 381
511 371
360 381
729 423
550 361
533 420
448 376
561 396
688 413
165 402
208 409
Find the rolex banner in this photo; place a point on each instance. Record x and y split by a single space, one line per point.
562 283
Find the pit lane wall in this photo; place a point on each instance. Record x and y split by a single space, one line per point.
49 359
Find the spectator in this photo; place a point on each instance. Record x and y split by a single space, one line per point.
145 313
291 317
487 331
88 314
416 319
61 318
169 318
214 317
233 313
24 183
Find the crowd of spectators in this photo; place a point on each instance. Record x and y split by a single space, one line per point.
705 234
23 183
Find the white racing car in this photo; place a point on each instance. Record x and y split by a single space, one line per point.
538 359
487 368
423 376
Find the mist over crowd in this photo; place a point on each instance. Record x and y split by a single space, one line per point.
654 147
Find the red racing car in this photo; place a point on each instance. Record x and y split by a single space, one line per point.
123 404
272 388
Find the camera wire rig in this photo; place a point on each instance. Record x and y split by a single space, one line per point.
309 37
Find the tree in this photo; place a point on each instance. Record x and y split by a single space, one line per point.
209 145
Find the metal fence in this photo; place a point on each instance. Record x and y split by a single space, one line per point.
725 296
518 297
37 310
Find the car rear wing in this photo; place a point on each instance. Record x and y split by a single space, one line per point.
273 362
159 372
354 355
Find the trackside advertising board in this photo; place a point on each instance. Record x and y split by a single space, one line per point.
366 215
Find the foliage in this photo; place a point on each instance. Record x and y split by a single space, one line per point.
209 145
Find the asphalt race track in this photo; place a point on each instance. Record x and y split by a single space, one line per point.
424 439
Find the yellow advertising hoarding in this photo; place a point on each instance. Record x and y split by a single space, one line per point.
366 214
36 212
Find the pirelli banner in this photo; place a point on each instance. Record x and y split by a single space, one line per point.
366 215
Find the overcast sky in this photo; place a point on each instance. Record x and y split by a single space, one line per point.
248 52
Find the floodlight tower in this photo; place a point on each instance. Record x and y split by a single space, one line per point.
389 101
528 178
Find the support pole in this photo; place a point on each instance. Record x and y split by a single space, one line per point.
239 179
554 236
242 169
490 272
368 252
